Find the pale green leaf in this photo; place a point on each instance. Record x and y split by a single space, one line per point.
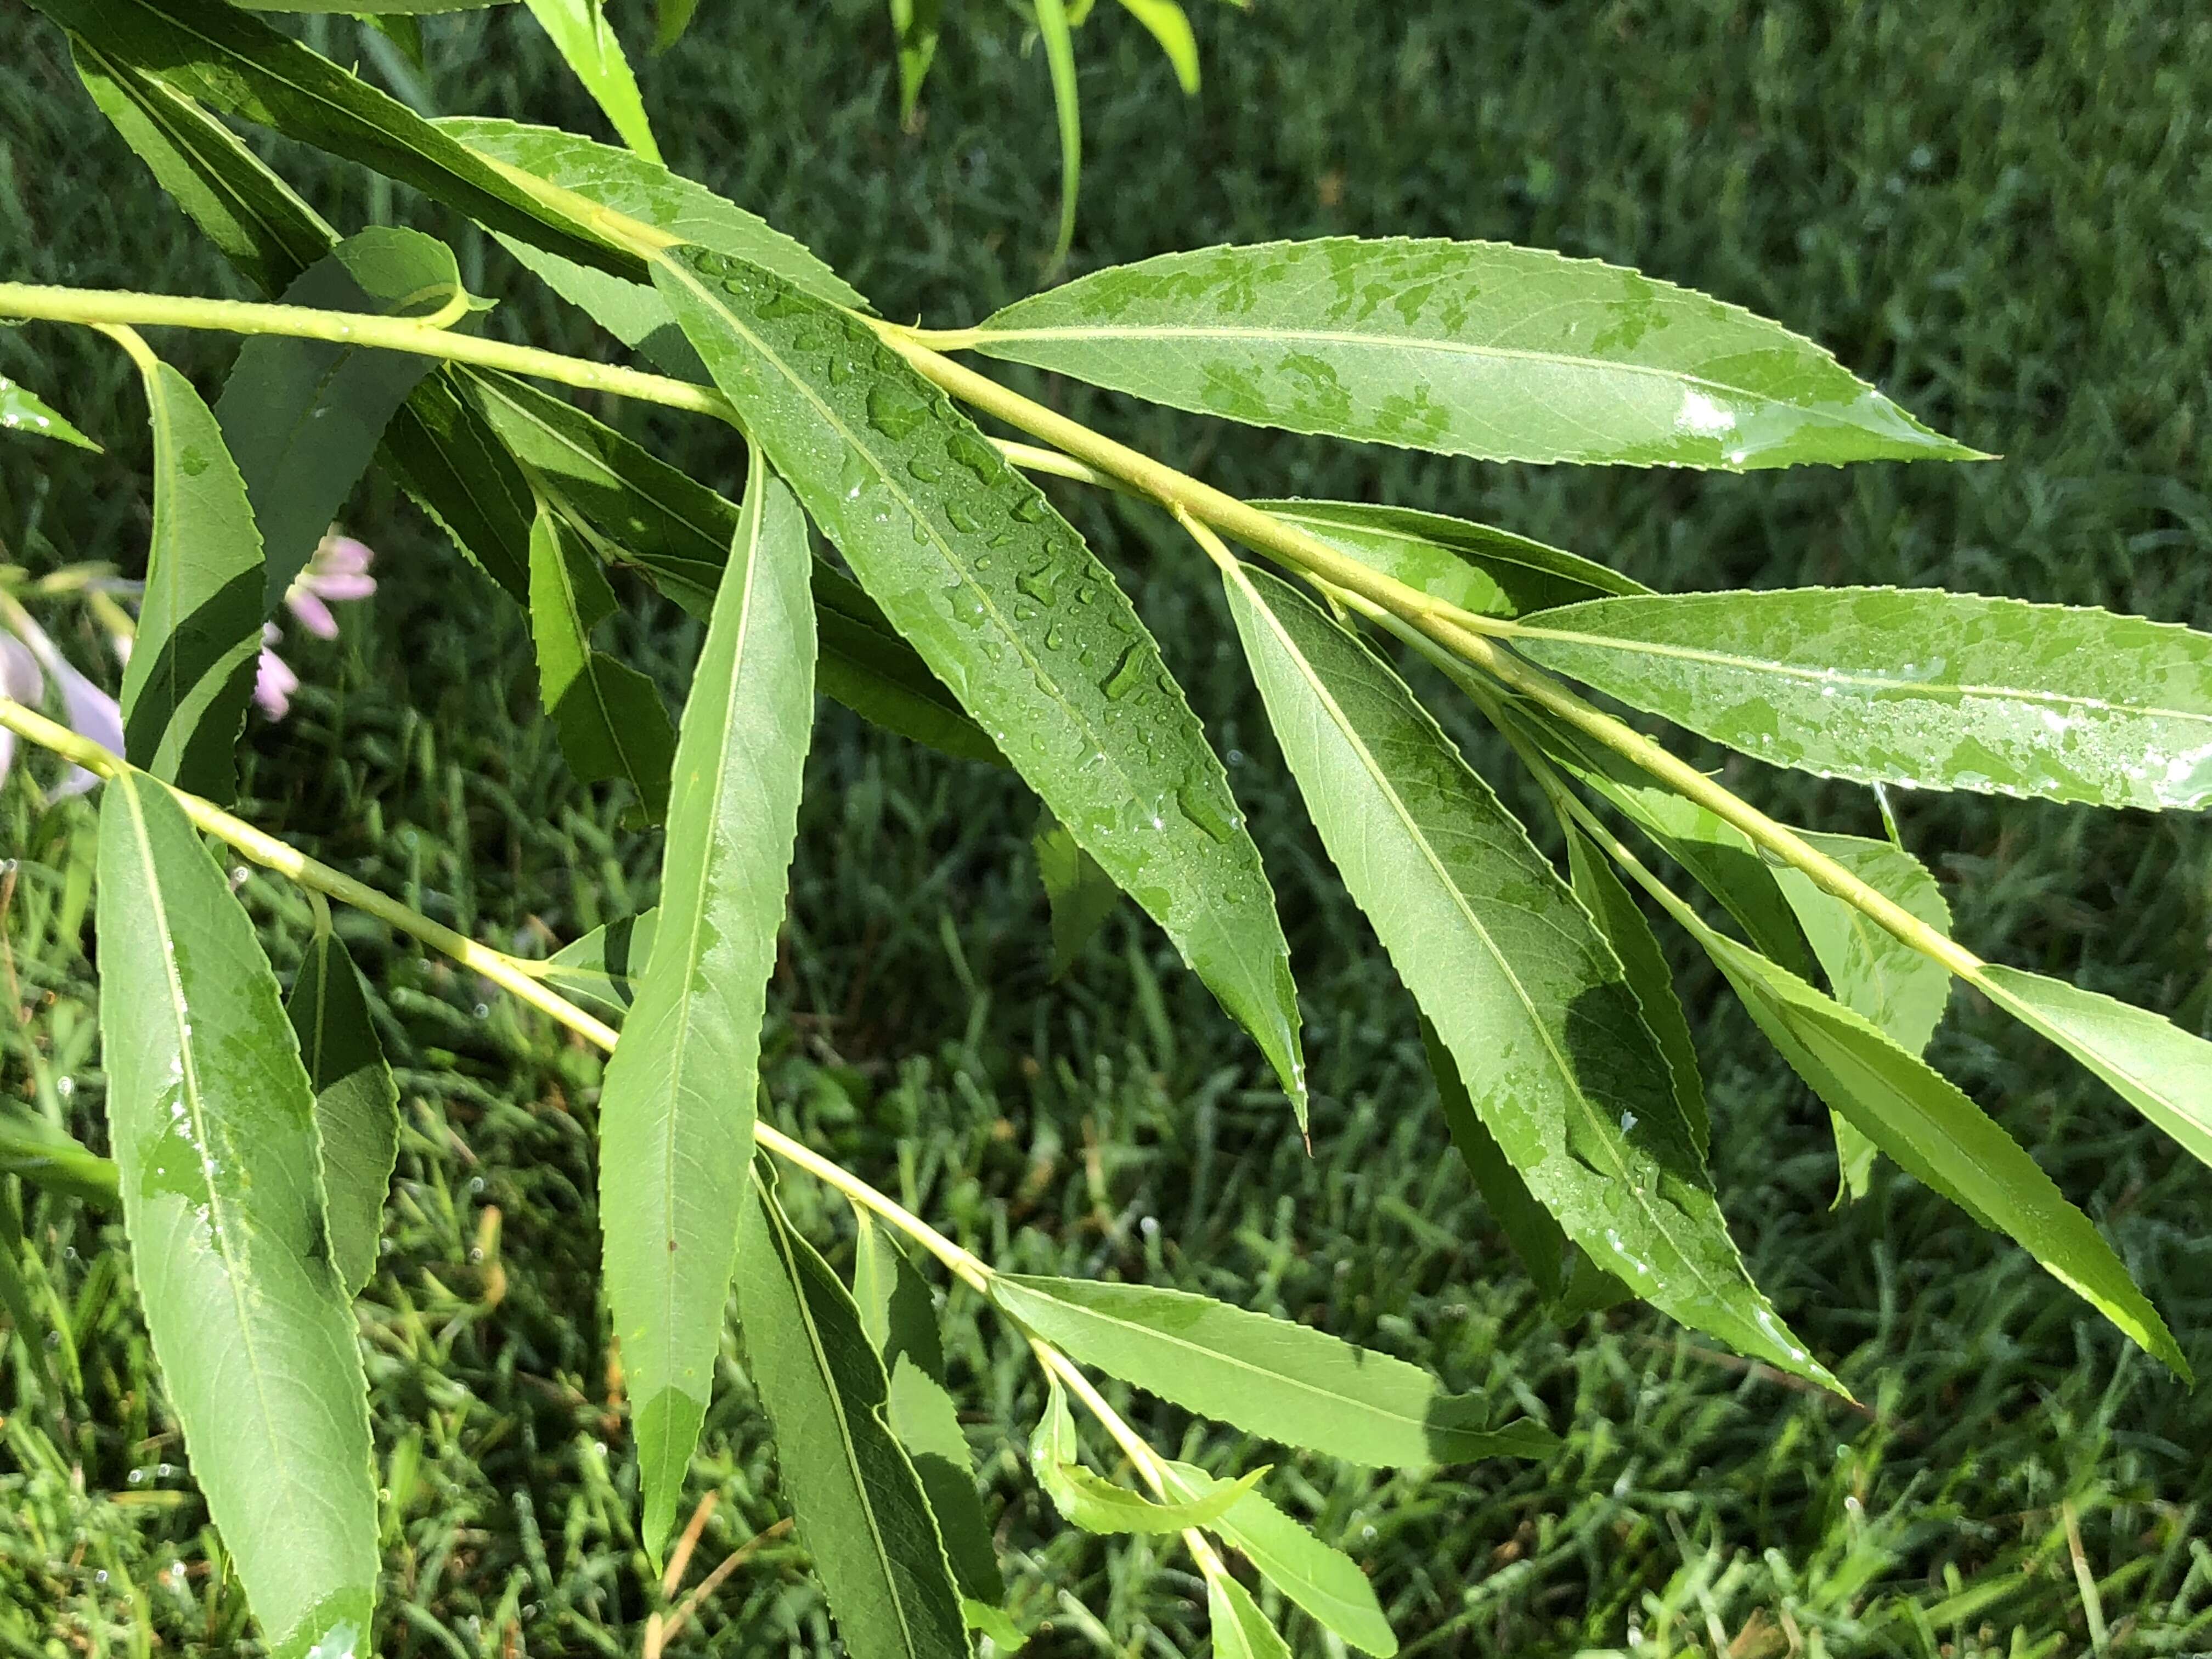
54 1162
1531 1001
356 1103
1010 609
23 411
1241 1630
1929 690
992 1624
861 1508
199 629
1099 1505
586 40
600 971
609 717
1172 28
676 1118
1079 893
1268 1376
1052 22
915 25
214 1126
1511 354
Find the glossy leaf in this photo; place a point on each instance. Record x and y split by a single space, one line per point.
1325 1581
599 972
1241 1630
302 419
1511 354
23 411
586 40
609 716
676 1118
1268 1376
214 1126
1938 1135
1079 893
1929 690
1012 612
1052 22
1530 1000
356 1103
1099 1505
1536 1239
859 1507
1490 572
2162 1071
200 629
1172 28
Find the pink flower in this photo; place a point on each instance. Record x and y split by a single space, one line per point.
338 573
274 682
86 709
19 679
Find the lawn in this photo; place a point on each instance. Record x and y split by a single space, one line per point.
2002 214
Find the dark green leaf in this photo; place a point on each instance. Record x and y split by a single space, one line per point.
859 1506
356 1103
1268 1376
384 7
1536 1239
1464 348
580 30
676 1117
1929 690
1531 1001
1081 895
214 1126
670 19
1014 614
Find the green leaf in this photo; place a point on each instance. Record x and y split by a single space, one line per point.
1536 1239
1325 1581
1010 609
23 411
384 7
1511 354
1530 1000
1938 1135
356 1103
446 456
2162 1071
670 20
303 418
1929 690
1099 1505
1241 1630
580 33
599 971
861 1508
915 25
199 629
992 1622
609 716
1268 1376
237 63
1490 572
676 1118
1079 894
57 1162
214 1126
1052 24
1172 28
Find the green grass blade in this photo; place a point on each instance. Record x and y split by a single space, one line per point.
214 1126
1098 1505
1531 1001
609 717
1461 348
859 1507
676 1119
1241 1630
23 411
199 629
1929 690
1013 612
356 1103
1068 115
1268 1376
1079 893
302 419
580 33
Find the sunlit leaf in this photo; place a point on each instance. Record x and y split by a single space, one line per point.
1241 1630
1100 1505
600 971
1465 348
356 1103
1172 28
586 40
214 1126
676 1117
23 411
1929 690
1528 1227
1012 611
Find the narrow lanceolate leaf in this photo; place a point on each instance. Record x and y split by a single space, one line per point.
1929 690
1268 1376
23 411
1012 611
1529 1228
670 20
860 1509
1079 895
1241 1630
608 716
214 1126
356 1103
1172 28
1327 1583
580 33
1099 1505
1921 1120
916 25
1530 1000
1464 348
600 970
192 668
676 1119
303 418
2162 1071
1491 572
1067 112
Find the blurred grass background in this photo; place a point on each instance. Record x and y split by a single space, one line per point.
2003 213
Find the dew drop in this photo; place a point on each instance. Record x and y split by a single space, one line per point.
1031 507
1200 807
962 519
894 410
1128 675
1039 583
927 470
